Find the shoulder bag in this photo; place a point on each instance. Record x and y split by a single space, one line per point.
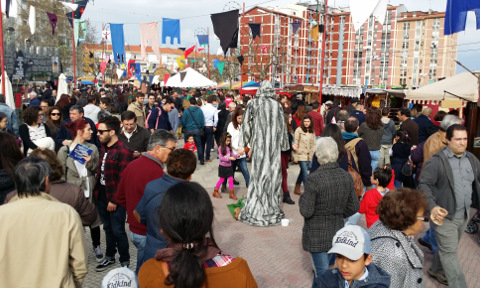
202 133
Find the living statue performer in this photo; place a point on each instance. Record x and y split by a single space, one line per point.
263 129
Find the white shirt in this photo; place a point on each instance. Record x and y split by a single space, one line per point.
91 111
210 114
235 138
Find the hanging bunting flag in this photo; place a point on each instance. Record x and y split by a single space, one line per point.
181 62
10 8
106 34
182 75
165 78
188 51
265 48
456 15
78 12
103 65
90 54
200 49
138 72
193 60
31 20
215 63
220 67
149 31
131 68
108 59
202 39
255 27
53 21
71 6
225 26
361 10
234 42
118 42
240 59
119 73
295 26
170 28
150 79
314 33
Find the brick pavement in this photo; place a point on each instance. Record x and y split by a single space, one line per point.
275 254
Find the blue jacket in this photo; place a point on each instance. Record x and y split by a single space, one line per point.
34 102
377 278
64 134
163 122
423 123
360 116
11 118
188 123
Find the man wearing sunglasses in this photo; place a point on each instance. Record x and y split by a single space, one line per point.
114 157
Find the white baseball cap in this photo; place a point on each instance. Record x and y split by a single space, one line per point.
120 277
352 241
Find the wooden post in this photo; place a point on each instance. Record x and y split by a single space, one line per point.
73 36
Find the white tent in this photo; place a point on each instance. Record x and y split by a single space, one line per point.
8 92
62 86
463 86
192 79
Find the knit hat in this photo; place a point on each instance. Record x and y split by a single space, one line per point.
352 241
120 277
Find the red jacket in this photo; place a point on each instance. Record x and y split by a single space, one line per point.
132 185
317 122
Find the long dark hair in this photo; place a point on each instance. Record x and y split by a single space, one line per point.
10 154
50 122
236 113
186 216
310 128
223 140
332 130
63 101
374 118
288 125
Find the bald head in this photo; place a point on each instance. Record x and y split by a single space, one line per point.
427 111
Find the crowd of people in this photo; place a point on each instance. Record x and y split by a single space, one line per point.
84 150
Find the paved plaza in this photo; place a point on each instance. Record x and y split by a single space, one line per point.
275 254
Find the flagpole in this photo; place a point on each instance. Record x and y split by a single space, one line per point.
323 50
73 36
2 52
208 54
241 64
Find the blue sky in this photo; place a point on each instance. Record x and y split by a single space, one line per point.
195 16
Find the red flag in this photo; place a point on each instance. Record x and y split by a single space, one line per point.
131 68
165 78
189 50
200 49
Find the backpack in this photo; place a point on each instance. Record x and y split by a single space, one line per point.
148 117
357 179
350 146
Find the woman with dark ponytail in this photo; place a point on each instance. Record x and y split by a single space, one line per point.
191 259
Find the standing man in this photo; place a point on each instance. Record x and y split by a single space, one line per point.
34 101
11 116
43 244
210 113
150 105
424 123
408 125
192 123
137 108
114 157
143 170
158 119
44 105
386 142
317 119
64 138
351 107
359 113
132 135
91 110
450 181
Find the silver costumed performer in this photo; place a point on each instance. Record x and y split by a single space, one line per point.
263 128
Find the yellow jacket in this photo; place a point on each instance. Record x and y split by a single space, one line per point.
43 244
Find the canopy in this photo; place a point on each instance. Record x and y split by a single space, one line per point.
62 86
86 82
8 92
192 79
463 86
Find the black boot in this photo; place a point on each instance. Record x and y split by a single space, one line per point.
287 199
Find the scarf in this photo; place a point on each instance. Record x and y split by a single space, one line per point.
167 254
349 136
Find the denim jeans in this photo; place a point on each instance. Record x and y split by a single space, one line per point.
303 172
375 155
320 264
429 237
139 242
114 227
198 142
242 163
207 142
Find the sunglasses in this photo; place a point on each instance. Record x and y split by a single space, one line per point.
103 131
55 114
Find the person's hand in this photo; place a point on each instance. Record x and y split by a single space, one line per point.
87 158
111 207
214 129
66 142
250 153
136 154
232 158
438 214
295 147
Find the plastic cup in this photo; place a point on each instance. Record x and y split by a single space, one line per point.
285 222
439 220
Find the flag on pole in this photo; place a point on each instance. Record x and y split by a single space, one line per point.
202 39
295 26
255 27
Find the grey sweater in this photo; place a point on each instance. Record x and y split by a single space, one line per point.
371 136
388 131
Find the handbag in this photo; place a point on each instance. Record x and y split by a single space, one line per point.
357 179
202 133
407 169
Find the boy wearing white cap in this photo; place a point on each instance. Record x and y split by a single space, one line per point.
352 249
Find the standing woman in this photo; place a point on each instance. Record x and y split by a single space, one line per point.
54 122
34 132
83 175
286 157
304 148
372 132
192 259
234 130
